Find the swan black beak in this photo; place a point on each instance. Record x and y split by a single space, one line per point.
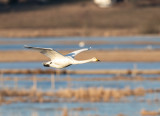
97 60
46 65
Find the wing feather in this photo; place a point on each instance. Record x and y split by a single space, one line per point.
49 52
74 53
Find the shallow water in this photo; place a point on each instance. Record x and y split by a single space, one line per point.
89 66
99 108
73 47
110 39
45 85
58 43
131 108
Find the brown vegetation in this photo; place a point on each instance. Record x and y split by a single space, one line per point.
65 32
149 113
80 19
70 80
91 94
118 72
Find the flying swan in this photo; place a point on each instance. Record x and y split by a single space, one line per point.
61 61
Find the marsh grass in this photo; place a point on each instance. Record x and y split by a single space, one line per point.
149 113
152 26
93 94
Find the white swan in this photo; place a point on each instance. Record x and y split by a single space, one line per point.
60 61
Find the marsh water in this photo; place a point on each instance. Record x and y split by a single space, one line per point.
109 43
131 108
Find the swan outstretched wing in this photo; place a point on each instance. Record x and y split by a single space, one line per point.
49 52
74 53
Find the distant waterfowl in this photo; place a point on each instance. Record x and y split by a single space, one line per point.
61 61
81 44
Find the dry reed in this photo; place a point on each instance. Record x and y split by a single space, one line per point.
149 113
49 71
140 91
91 94
65 112
35 79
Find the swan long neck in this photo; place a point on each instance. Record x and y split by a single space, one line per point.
83 61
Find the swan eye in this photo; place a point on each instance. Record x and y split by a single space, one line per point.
50 62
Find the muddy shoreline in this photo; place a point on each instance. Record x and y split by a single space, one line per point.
103 55
68 32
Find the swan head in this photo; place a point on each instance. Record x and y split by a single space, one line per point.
94 59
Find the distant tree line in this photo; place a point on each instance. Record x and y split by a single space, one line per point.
136 2
144 2
13 1
38 1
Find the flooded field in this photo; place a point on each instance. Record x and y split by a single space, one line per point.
74 43
81 94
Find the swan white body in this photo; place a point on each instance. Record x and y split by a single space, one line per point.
60 61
